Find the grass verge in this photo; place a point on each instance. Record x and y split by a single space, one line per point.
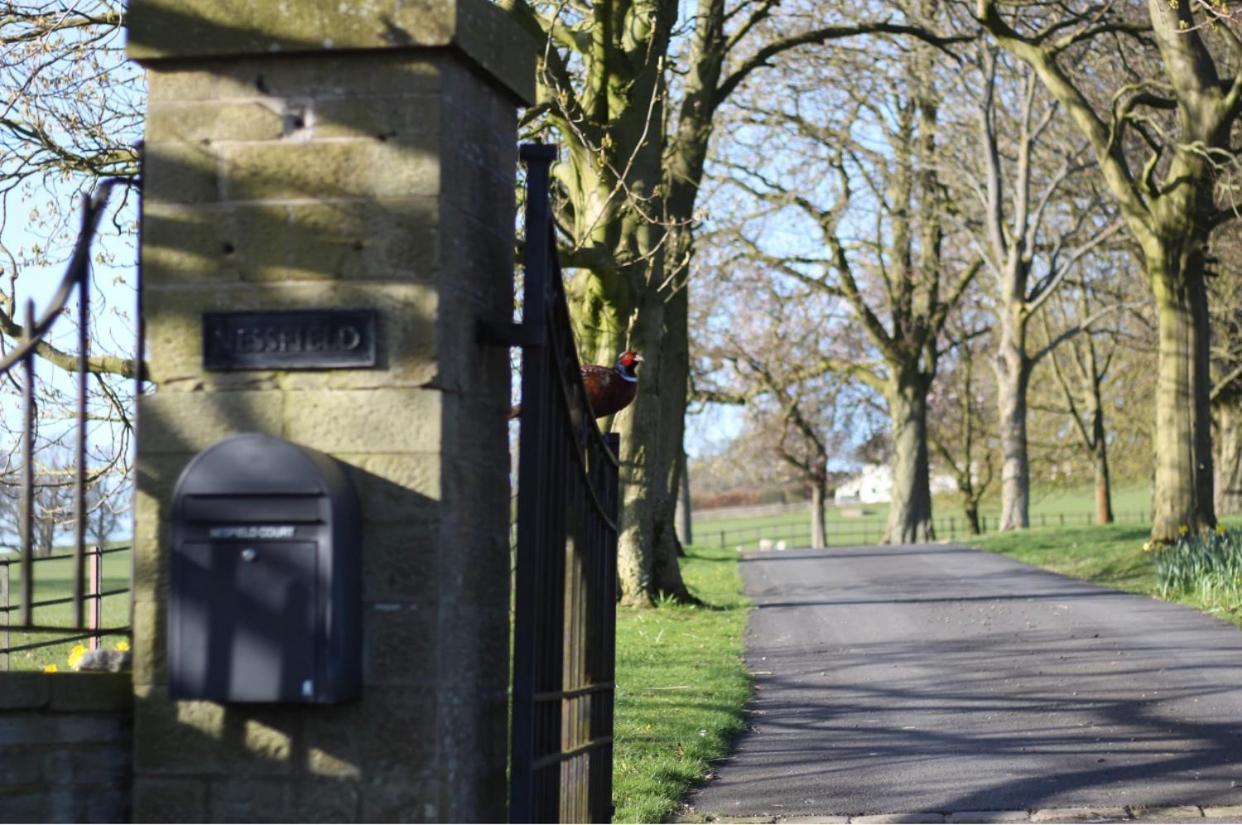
681 689
1111 556
53 579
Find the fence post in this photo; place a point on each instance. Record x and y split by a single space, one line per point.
94 586
952 527
722 541
1062 519
4 605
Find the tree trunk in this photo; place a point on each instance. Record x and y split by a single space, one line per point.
971 507
685 514
910 510
1013 371
1228 458
819 496
1183 495
1103 480
651 433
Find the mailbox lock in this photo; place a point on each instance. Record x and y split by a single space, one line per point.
249 554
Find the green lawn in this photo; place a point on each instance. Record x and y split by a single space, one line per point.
681 688
53 579
1111 556
864 524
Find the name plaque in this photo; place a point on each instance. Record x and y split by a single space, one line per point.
289 340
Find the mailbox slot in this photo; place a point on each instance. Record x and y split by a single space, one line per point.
265 602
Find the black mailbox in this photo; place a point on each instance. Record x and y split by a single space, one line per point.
266 571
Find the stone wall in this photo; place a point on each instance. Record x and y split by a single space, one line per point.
65 747
282 173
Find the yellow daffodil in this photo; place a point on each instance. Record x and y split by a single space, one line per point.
122 645
50 669
1147 547
76 655
1220 529
1183 530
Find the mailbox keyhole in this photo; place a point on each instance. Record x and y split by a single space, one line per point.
249 554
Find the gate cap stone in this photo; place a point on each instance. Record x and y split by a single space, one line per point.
162 30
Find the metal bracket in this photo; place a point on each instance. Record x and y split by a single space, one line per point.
509 334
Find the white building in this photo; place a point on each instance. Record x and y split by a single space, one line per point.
874 485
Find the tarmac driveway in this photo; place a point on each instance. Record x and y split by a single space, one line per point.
943 679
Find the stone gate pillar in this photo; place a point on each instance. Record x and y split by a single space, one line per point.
317 154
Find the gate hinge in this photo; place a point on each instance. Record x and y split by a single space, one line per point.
509 334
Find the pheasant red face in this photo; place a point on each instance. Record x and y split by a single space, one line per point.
629 359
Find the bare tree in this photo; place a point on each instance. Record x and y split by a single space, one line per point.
634 94
959 432
1035 228
1163 142
901 280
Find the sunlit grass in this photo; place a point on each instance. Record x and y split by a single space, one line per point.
681 688
864 523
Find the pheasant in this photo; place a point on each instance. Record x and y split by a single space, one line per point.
609 389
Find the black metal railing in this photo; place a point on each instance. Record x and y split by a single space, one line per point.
844 534
19 366
564 634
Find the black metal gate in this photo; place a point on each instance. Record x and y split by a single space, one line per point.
17 366
566 575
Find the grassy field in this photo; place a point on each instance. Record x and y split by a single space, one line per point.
1111 556
862 524
53 579
681 688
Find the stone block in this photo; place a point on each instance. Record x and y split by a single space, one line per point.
170 800
268 743
396 488
181 173
24 690
179 423
399 563
1084 814
249 800
189 243
477 495
108 804
877 819
20 765
1182 813
176 737
85 765
76 692
150 647
416 801
476 574
473 752
480 32
327 77
326 169
381 420
1227 813
400 645
324 800
412 120
988 816
332 740
25 807
193 122
351 240
398 741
